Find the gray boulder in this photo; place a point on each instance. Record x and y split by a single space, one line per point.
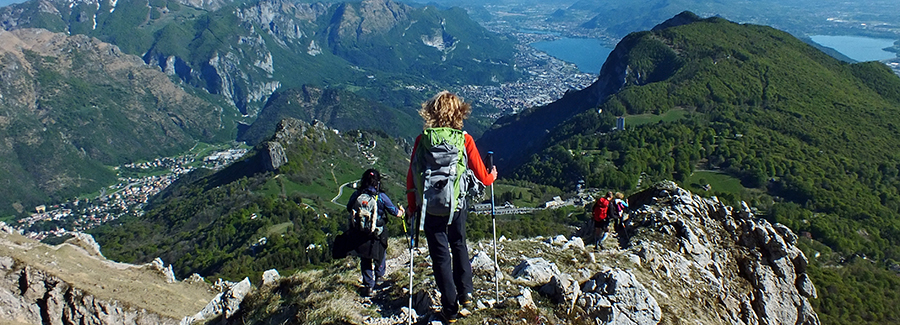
618 298
270 277
226 302
482 263
535 271
575 242
85 241
525 300
563 289
160 266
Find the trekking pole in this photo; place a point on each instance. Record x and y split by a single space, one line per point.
490 162
413 242
409 319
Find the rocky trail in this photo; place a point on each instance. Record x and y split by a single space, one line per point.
680 259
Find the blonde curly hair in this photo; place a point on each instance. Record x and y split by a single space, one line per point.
445 110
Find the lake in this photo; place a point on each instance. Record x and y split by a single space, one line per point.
587 54
858 48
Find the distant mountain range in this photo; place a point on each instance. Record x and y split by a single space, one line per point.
811 142
243 51
618 18
82 95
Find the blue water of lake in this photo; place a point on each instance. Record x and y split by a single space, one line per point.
587 54
858 48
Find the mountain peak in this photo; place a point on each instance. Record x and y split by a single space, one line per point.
683 18
369 17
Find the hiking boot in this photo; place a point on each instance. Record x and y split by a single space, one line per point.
365 292
466 300
446 318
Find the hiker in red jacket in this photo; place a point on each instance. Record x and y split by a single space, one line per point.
601 220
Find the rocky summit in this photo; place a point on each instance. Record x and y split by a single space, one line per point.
678 258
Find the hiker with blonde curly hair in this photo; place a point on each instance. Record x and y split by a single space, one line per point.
442 157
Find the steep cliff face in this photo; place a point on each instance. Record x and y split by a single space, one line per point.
679 259
737 268
369 18
71 284
282 19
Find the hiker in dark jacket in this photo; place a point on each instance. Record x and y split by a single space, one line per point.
372 251
447 238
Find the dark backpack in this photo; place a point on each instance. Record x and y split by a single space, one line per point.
439 167
616 207
612 212
364 214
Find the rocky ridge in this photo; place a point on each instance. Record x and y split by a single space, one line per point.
72 283
680 259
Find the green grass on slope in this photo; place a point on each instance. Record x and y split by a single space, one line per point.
814 140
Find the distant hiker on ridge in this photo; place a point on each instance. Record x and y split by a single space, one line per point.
617 211
368 207
601 219
442 157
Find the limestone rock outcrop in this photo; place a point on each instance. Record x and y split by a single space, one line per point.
30 295
677 258
72 283
752 266
616 297
226 303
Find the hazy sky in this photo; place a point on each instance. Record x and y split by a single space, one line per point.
4 3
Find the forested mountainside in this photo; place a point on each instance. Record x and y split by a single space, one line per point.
272 209
243 51
812 141
340 109
73 105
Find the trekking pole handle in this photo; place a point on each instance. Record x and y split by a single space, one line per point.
490 160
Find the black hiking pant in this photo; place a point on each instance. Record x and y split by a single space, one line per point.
372 270
450 258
